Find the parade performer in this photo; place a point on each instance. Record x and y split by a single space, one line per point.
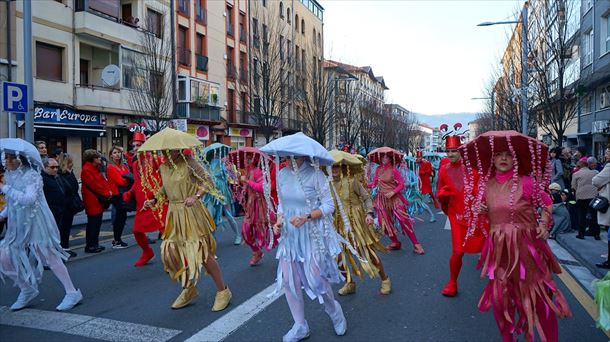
450 193
516 257
426 173
137 140
32 238
259 214
215 156
309 243
358 206
188 243
417 202
390 203
146 219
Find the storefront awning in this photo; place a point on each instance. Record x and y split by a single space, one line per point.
52 130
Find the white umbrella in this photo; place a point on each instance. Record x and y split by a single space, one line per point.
21 147
299 145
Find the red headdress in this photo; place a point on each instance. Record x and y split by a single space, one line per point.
138 136
453 138
419 154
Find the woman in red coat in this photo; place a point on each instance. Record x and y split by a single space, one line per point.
121 179
146 220
95 186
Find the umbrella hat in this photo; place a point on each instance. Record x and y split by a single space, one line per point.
299 145
344 158
238 157
218 149
376 155
21 147
169 139
531 154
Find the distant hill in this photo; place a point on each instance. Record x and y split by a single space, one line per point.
435 121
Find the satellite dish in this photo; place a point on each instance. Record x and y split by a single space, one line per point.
111 75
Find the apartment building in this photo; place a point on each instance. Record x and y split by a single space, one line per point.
83 66
594 83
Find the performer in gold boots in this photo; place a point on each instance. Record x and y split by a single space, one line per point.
357 226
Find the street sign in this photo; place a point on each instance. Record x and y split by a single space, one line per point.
15 97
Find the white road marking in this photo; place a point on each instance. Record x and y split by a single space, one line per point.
225 325
86 326
447 225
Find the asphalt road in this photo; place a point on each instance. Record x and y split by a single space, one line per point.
124 303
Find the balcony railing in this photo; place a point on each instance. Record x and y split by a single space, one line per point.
231 71
202 62
184 56
192 111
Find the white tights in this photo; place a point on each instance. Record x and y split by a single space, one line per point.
295 300
49 258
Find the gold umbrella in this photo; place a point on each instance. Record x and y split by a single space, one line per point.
344 158
169 139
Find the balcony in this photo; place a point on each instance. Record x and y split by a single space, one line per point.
184 56
104 23
231 71
94 96
202 62
187 110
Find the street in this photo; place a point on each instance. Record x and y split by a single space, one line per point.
124 303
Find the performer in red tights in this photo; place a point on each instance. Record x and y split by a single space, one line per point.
426 173
450 192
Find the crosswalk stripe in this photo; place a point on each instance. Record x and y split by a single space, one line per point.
86 326
225 325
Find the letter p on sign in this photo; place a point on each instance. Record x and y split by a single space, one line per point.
14 97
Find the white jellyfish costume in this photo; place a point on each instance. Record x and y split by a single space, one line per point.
32 238
307 255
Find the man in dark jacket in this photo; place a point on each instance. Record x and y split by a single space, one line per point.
54 189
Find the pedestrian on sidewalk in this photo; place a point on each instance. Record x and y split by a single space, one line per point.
75 202
309 243
516 257
32 238
561 216
120 179
58 195
602 182
41 146
97 194
147 219
582 184
357 226
390 203
557 167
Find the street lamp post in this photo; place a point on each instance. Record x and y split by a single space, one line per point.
524 67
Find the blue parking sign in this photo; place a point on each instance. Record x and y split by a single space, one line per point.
14 97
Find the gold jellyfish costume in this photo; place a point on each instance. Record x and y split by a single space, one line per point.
188 243
356 203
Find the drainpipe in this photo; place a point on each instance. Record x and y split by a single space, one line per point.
11 118
172 12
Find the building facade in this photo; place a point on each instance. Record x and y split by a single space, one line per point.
83 69
594 83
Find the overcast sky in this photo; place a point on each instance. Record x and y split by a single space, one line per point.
431 53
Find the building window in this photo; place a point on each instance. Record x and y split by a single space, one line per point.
288 15
49 62
244 107
296 22
604 97
154 20
605 47
200 11
243 37
264 3
303 26
586 104
587 48
587 4
183 6
281 10
231 105
129 71
184 54
230 30
84 72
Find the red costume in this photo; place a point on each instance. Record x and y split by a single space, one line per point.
450 193
426 172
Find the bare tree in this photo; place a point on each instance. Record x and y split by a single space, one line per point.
554 31
147 74
349 118
270 70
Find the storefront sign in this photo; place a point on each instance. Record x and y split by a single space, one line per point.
240 132
200 131
65 116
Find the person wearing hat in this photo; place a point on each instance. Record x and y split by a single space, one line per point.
451 192
136 141
426 173
561 216
516 257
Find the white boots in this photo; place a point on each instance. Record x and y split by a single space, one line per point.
70 301
297 333
24 298
338 319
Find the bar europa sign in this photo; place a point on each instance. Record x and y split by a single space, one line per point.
65 116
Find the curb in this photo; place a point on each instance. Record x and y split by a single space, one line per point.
596 271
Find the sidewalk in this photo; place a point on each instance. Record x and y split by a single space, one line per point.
588 251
